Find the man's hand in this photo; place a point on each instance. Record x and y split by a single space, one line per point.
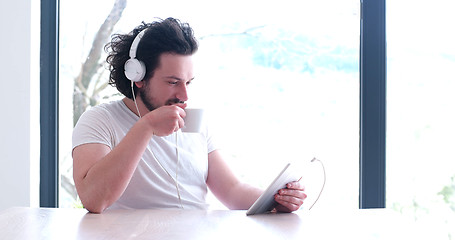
166 119
290 198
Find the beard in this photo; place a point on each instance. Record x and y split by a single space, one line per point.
147 99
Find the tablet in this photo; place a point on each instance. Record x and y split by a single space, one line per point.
266 202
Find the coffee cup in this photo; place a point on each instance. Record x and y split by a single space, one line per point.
193 120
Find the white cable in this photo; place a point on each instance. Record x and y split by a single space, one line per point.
322 188
177 169
176 172
134 98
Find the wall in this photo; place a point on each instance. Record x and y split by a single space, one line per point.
15 124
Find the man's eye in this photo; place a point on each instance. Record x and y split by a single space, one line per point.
173 82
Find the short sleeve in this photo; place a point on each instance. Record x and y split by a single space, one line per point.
92 127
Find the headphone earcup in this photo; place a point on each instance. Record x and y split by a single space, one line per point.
134 70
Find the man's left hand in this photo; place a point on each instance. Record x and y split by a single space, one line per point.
290 198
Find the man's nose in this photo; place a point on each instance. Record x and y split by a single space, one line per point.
182 93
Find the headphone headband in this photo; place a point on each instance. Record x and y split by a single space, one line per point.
135 43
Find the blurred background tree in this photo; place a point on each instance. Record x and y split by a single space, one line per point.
89 82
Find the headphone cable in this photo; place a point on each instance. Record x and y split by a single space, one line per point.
323 184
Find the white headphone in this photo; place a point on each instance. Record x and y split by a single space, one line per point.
135 69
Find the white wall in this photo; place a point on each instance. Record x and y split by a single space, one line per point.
17 187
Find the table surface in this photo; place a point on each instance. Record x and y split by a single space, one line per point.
51 223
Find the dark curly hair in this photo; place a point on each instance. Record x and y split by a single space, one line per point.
163 36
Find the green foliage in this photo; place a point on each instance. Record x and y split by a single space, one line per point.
287 50
448 193
78 204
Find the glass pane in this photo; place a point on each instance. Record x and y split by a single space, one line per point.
421 111
280 83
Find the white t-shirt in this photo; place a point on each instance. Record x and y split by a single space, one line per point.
151 186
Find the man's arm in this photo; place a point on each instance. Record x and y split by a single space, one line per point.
227 187
101 175
237 195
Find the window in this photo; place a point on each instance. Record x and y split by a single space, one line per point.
421 112
283 77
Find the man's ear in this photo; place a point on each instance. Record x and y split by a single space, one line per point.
139 84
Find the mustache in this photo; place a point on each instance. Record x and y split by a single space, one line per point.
174 101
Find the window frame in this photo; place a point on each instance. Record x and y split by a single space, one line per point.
373 62
49 48
372 127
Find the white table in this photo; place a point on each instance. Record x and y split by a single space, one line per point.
48 223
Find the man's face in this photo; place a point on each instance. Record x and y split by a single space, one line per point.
169 83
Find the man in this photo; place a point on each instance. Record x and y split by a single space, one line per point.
132 154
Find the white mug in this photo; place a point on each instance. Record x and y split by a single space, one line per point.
193 120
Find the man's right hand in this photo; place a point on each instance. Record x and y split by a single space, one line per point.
166 119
